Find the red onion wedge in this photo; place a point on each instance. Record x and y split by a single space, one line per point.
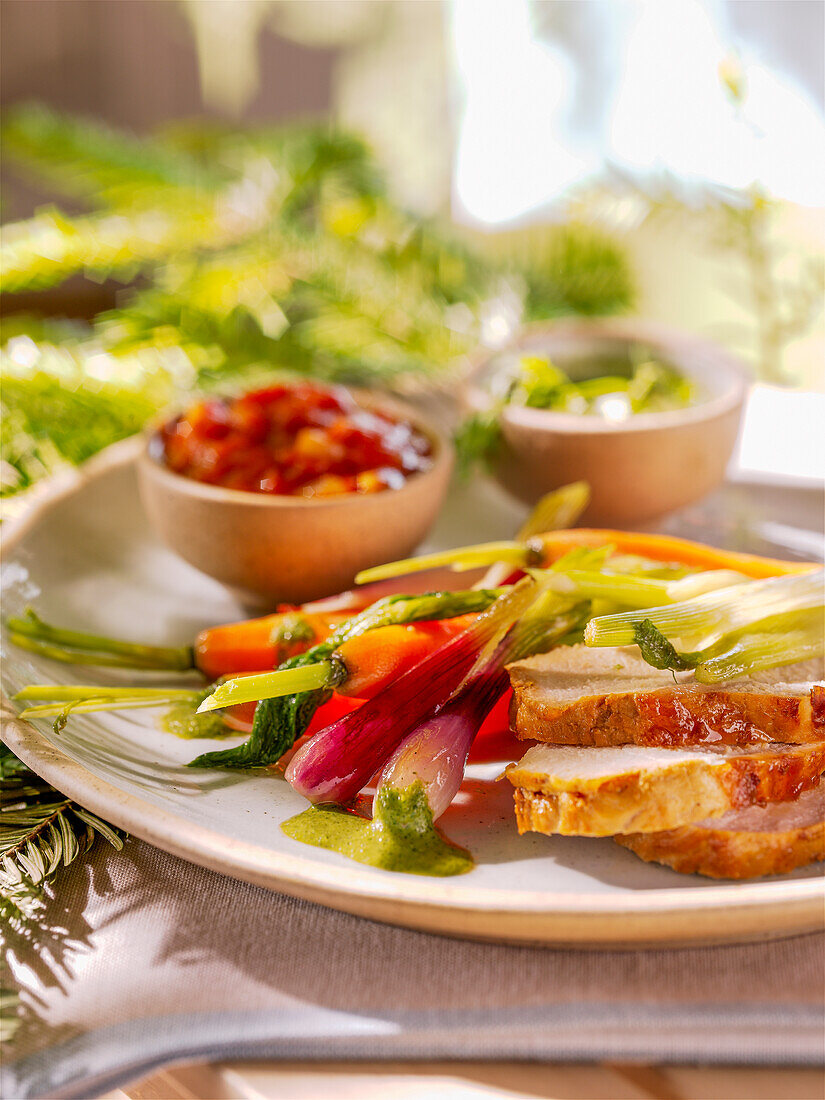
435 753
341 759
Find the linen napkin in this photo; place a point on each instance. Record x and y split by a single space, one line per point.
143 960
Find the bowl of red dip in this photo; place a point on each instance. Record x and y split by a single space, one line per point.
286 492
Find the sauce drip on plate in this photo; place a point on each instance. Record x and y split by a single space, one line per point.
399 837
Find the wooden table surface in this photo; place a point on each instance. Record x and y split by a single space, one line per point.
472 1081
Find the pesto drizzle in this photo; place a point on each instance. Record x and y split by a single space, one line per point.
400 836
182 720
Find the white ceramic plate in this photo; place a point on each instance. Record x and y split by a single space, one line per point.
84 556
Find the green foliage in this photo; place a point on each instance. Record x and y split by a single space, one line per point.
87 159
247 251
46 249
577 269
478 439
786 298
40 832
777 282
53 412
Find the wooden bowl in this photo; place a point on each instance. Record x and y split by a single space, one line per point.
639 468
270 549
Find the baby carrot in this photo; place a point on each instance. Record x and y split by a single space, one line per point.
218 651
360 667
372 661
261 643
541 551
382 650
665 548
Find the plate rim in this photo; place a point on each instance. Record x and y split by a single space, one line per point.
729 912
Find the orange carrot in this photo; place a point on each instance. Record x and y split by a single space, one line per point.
255 643
546 548
373 660
666 548
241 717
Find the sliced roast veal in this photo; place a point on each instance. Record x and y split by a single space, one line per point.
576 695
769 840
629 789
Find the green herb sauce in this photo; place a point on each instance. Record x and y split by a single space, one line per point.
611 388
400 836
182 720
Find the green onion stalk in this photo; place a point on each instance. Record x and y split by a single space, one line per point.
769 642
60 701
282 717
555 511
705 619
434 754
308 689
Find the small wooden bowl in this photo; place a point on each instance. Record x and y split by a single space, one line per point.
639 468
270 549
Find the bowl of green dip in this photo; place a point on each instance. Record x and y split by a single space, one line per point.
647 415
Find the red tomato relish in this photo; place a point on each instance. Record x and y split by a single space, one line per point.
293 440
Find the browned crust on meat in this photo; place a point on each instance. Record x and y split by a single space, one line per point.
818 708
772 777
725 853
668 718
647 801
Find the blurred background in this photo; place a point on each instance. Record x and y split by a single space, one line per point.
197 190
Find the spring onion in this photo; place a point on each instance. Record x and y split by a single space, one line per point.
755 651
339 760
60 701
319 668
435 752
705 619
462 559
766 643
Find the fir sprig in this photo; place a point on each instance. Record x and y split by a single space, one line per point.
54 413
87 159
41 831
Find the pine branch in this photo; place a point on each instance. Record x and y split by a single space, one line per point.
577 269
41 831
54 413
46 249
82 157
261 249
